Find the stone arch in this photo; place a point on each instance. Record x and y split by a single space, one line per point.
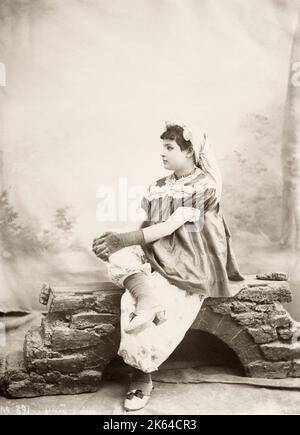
202 349
229 332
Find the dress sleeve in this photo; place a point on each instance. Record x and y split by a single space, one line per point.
210 199
146 206
205 196
145 203
204 200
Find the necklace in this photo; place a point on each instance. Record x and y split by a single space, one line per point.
185 175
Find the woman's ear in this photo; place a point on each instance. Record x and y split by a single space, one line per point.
190 152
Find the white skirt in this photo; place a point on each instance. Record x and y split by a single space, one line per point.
146 350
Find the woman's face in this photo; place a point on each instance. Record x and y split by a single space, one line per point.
173 158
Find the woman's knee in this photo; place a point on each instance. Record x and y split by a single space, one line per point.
125 263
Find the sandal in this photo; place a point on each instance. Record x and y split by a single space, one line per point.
137 398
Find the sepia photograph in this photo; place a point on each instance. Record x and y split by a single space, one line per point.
149 210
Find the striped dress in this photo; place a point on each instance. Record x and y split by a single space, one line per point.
195 262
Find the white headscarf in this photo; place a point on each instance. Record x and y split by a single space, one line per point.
204 154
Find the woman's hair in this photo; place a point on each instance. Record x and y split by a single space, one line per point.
175 132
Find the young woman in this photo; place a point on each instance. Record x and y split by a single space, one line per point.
181 254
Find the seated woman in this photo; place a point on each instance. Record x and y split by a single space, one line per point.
181 254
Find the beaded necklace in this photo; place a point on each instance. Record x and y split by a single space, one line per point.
185 175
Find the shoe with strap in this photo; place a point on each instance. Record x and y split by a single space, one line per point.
138 395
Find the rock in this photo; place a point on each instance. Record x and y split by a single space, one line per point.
70 339
2 372
207 320
85 382
221 308
66 364
109 302
46 332
91 319
34 348
281 351
276 276
263 334
15 367
250 354
295 372
280 320
98 357
63 302
52 377
104 329
266 294
102 297
285 333
250 319
265 308
36 379
289 334
242 307
90 377
263 369
25 388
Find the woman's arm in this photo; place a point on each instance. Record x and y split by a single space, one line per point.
110 242
162 229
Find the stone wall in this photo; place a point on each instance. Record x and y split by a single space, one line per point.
68 353
257 327
80 335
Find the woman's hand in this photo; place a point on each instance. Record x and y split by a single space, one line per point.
107 244
185 214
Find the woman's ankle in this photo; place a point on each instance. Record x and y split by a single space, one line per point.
139 376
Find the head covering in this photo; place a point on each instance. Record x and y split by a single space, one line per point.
204 155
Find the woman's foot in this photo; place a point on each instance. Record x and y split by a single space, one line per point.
148 307
142 318
139 391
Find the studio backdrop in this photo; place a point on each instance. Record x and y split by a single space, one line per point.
86 86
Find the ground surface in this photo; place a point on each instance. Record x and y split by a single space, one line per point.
167 399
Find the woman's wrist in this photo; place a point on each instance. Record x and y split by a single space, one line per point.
156 232
133 238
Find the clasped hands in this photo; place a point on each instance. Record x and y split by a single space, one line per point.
109 243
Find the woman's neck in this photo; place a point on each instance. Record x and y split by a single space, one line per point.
180 173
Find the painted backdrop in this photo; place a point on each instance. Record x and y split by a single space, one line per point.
89 84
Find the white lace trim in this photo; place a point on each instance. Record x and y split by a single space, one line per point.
174 188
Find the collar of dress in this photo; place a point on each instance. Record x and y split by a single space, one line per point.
175 188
